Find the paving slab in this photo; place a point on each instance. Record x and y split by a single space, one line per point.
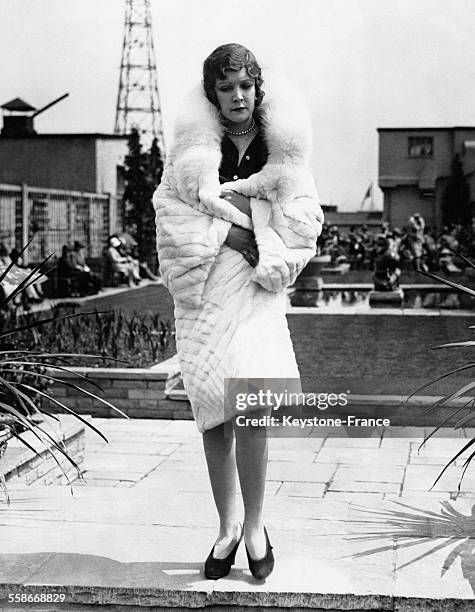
106 474
366 499
312 445
346 536
302 489
415 459
130 448
362 457
370 473
364 487
300 456
176 479
130 462
294 472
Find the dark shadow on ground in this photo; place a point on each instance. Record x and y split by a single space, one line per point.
94 571
415 526
85 570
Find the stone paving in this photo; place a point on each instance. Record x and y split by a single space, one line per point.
353 524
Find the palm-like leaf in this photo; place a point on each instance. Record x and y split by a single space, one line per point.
465 420
18 403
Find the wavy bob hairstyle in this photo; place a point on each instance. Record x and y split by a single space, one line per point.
230 57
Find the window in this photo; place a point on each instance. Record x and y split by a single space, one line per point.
420 146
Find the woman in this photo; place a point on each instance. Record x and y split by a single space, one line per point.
119 263
237 220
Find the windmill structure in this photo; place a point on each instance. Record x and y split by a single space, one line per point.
138 102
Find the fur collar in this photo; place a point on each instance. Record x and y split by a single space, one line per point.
196 152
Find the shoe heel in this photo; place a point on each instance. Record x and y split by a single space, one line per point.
219 568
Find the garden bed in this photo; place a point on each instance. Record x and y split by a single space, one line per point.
137 339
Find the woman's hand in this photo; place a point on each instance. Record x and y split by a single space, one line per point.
241 202
243 241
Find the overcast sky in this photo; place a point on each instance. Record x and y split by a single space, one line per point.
362 64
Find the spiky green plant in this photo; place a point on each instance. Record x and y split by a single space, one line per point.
141 339
26 375
464 419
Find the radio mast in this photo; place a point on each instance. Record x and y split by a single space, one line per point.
138 102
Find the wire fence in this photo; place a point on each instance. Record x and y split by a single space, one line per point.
53 218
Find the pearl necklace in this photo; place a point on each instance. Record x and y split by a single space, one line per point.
249 129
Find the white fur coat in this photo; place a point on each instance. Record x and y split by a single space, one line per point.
192 219
229 317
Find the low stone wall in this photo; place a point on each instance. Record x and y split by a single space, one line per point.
138 392
21 466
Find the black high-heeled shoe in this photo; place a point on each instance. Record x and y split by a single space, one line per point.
261 568
218 568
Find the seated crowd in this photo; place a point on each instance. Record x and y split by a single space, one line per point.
119 265
72 276
414 246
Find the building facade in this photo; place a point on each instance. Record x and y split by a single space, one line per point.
58 188
414 167
79 162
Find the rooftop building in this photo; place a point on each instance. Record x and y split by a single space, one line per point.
414 166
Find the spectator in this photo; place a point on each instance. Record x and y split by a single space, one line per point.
395 239
356 251
416 233
446 262
120 264
87 282
64 265
65 278
143 268
417 246
32 292
430 247
128 251
386 269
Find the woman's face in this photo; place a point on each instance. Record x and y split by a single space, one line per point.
236 96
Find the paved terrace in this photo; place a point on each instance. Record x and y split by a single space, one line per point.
352 522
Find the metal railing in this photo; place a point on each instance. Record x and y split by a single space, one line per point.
53 218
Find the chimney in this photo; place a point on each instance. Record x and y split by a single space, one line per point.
19 120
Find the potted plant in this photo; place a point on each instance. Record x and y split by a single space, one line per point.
26 375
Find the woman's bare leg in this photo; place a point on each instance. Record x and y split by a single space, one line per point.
221 461
251 460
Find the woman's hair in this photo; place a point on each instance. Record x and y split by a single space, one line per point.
230 57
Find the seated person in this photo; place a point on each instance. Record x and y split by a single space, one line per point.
65 279
87 282
446 262
386 267
127 251
120 264
143 267
32 292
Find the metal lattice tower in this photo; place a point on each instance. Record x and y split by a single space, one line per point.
138 103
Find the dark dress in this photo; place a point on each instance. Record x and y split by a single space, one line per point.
252 161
